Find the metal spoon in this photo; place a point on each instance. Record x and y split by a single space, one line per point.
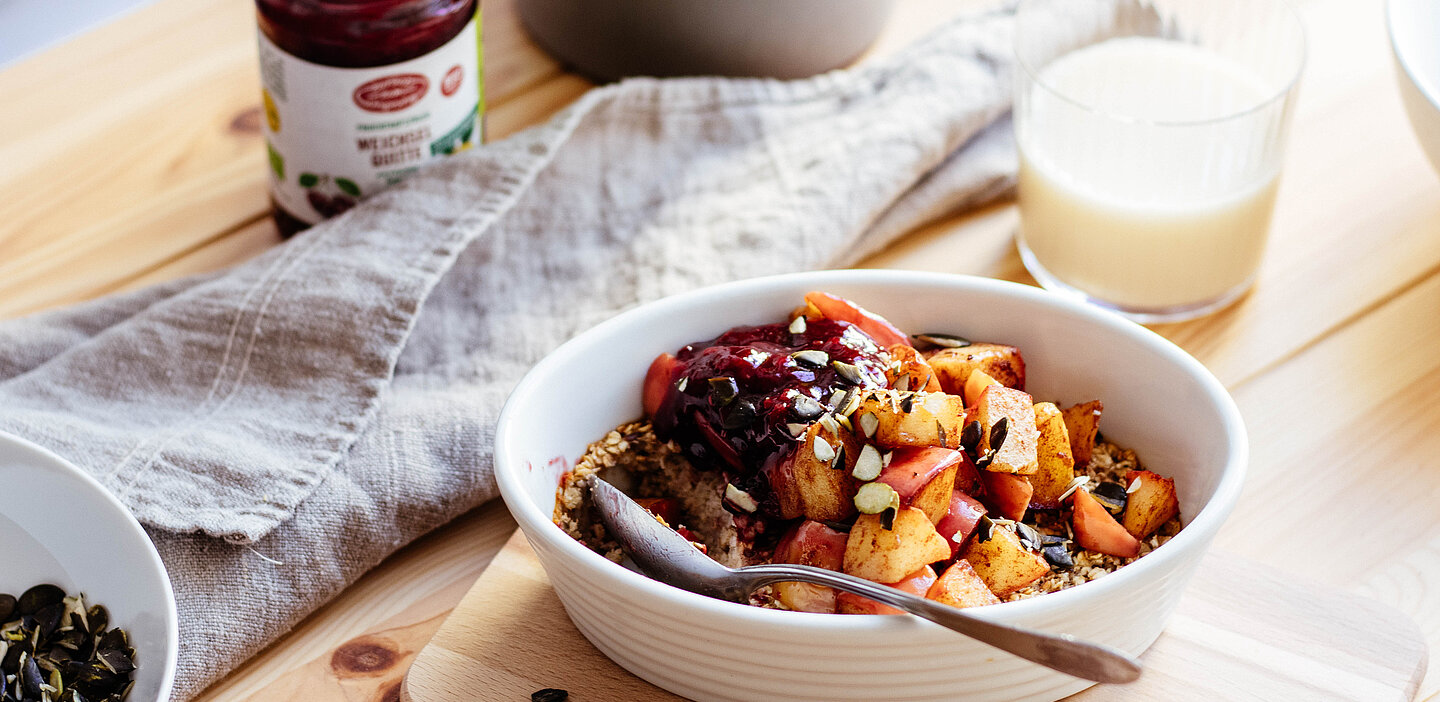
666 556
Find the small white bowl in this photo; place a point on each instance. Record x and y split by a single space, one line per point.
1158 401
59 526
1415 39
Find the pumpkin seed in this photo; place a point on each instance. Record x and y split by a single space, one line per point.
1029 537
741 499
808 407
868 424
1058 557
723 390
848 372
740 414
887 518
39 597
984 529
868 464
824 452
948 341
970 437
874 498
811 357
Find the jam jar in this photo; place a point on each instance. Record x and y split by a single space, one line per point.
358 94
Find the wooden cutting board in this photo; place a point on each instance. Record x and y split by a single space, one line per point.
1241 632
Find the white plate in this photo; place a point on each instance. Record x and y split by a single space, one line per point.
58 525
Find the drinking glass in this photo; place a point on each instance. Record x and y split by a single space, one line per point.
1151 135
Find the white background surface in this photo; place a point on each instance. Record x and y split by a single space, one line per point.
28 26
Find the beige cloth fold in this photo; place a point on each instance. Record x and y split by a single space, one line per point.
282 426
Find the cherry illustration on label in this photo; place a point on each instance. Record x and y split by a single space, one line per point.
452 80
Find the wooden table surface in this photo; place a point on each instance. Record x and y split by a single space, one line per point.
133 154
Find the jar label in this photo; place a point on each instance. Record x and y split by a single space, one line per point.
336 135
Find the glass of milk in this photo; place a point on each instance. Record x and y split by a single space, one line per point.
1151 135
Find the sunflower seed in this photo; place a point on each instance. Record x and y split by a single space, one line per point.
1029 537
903 383
1134 485
868 464
908 404
823 451
868 424
838 463
811 357
970 437
796 430
797 325
999 431
1074 485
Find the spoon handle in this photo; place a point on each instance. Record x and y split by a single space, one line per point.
1061 652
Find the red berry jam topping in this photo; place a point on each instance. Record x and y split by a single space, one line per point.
735 403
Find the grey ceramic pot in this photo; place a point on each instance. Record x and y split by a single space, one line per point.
611 39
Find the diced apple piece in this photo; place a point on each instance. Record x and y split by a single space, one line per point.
1003 363
910 419
1007 494
917 583
1004 564
962 587
1052 453
888 555
841 310
787 492
657 382
976 384
1150 504
917 374
1096 530
1082 422
923 477
823 483
960 520
1017 453
967 477
810 543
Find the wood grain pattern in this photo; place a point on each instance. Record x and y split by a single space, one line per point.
132 155
1274 640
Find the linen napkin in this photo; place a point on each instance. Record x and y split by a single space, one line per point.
282 426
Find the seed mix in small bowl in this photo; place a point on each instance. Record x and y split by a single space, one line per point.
55 647
834 440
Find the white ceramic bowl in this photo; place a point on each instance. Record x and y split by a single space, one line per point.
1158 400
67 530
1415 40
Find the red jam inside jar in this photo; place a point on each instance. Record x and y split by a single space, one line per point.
358 34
